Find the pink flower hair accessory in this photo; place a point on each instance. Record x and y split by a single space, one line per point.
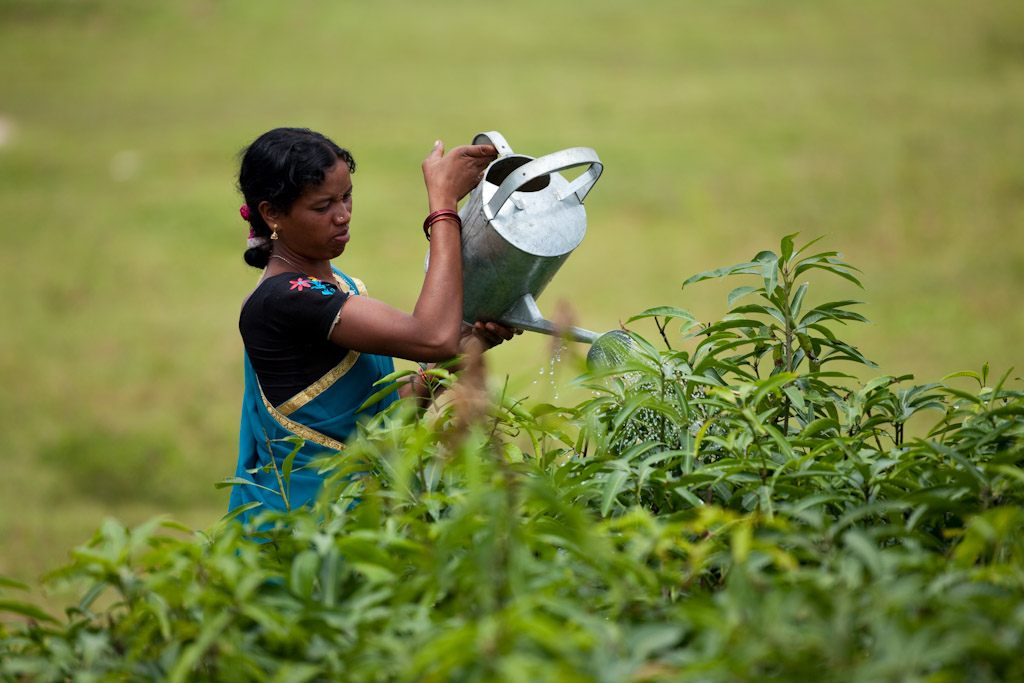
254 240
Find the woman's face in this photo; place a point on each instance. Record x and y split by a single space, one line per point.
316 227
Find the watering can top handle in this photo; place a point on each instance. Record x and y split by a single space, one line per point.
552 163
496 139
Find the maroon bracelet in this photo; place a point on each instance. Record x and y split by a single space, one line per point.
442 215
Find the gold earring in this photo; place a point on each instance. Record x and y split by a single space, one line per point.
273 235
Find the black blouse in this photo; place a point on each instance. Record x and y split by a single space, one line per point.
285 326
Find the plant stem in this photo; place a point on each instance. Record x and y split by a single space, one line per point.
277 474
661 329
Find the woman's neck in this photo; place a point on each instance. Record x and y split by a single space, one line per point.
281 263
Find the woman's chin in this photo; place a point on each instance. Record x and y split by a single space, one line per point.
339 243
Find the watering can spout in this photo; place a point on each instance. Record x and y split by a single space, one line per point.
526 316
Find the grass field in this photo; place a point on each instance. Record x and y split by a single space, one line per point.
892 127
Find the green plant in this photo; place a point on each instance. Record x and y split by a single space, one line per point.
709 515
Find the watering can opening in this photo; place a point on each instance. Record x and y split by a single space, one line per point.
503 167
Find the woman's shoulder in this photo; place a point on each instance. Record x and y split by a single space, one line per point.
264 286
350 284
293 303
290 289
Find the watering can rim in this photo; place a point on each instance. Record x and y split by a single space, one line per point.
549 164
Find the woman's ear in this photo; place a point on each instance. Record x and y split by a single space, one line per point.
270 214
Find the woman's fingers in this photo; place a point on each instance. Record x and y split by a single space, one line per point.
470 162
452 176
493 333
488 152
505 333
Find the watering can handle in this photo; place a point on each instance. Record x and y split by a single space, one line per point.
495 139
552 163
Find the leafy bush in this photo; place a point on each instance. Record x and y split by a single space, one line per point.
738 510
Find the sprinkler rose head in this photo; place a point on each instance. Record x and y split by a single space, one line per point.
611 349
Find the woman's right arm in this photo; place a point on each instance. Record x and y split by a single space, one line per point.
431 332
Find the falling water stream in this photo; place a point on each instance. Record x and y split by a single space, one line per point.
556 357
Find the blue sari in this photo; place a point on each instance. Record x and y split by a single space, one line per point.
323 414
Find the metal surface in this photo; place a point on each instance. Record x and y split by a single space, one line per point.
519 225
526 316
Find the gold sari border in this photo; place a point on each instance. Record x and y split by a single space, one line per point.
320 386
359 285
301 430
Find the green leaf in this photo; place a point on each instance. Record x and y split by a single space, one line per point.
232 481
688 496
816 426
965 395
830 265
966 373
374 572
806 246
771 385
391 388
396 375
798 300
759 308
190 656
786 245
796 398
286 466
643 640
11 583
665 312
740 268
865 549
292 672
26 610
770 273
235 512
877 382
303 573
638 449
612 487
740 292
633 404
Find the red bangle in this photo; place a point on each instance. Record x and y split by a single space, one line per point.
442 215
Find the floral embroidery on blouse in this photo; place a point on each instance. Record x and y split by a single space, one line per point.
314 284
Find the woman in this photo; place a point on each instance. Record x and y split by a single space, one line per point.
315 343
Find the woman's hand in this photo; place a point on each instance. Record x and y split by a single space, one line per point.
450 177
489 334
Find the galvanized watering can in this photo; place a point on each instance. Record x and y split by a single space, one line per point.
519 225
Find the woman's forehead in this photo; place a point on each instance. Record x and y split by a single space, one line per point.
337 179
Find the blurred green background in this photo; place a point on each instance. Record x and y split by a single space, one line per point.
894 128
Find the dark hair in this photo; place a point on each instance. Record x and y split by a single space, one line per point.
276 168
